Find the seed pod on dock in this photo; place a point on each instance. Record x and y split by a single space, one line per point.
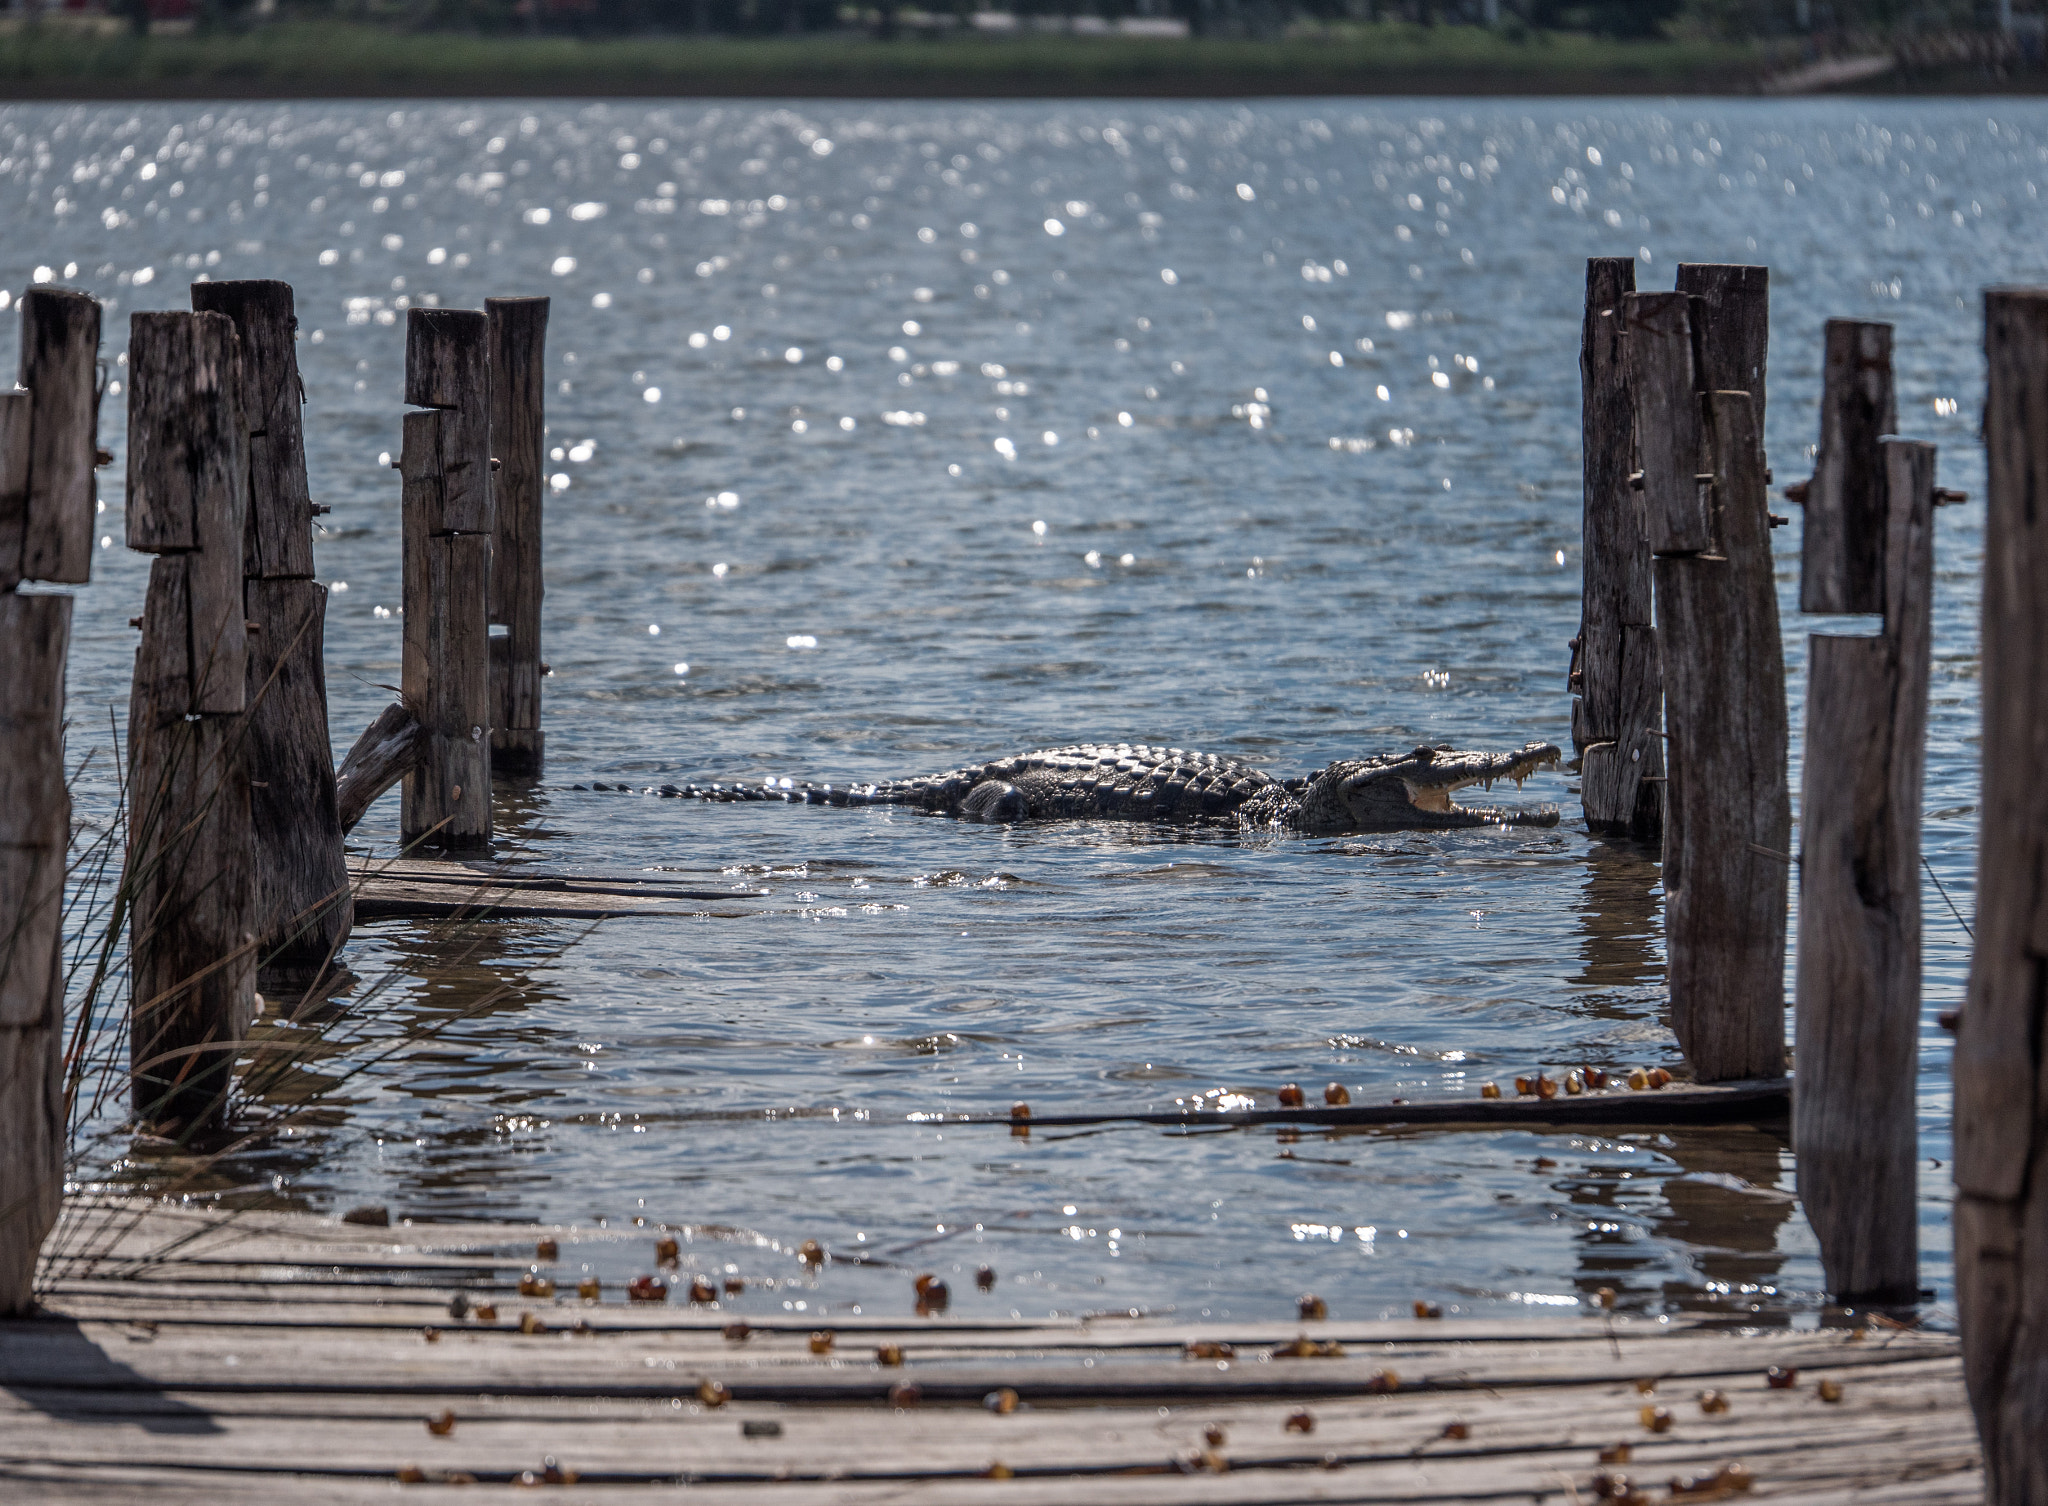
1525 1086
1020 1120
737 1333
1457 1428
905 1394
1605 1297
734 1285
1656 1419
933 1296
1002 1401
486 1312
1595 1078
702 1292
1383 1381
533 1284
1659 1077
1713 1403
442 1425
431 1334
1781 1377
1546 1087
1214 1436
713 1393
1574 1084
1489 1090
811 1253
646 1289
529 1324
1209 1349
590 1289
458 1306
1646 1385
1291 1096
985 1279
1313 1308
998 1470
552 1472
821 1342
890 1355
1337 1094
547 1249
666 1250
1428 1309
411 1474
1617 1453
1303 1421
1638 1079
1830 1389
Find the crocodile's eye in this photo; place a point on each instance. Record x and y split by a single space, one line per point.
1424 755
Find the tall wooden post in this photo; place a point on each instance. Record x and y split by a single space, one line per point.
1858 990
1841 567
192 912
445 461
1727 815
1614 661
47 440
303 906
1732 329
519 329
2001 1060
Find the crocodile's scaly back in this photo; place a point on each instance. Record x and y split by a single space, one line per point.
1109 782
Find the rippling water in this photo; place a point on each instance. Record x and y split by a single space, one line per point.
888 437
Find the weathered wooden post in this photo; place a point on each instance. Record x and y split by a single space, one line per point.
1857 1019
303 907
1727 816
1732 329
47 443
1614 660
1847 502
446 465
519 328
190 843
2001 1087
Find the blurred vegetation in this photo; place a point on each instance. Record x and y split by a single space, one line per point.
966 47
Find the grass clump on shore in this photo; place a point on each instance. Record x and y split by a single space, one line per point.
340 60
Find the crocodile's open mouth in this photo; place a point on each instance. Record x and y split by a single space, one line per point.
1433 780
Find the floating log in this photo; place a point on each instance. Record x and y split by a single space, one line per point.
1842 554
1728 816
518 341
2001 1095
35 835
1614 663
445 677
192 919
301 876
1858 990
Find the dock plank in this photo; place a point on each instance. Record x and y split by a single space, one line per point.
269 1356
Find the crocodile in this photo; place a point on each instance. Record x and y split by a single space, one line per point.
1138 782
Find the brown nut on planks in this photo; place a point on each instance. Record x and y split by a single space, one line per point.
889 1354
646 1289
821 1341
1291 1096
905 1395
442 1425
1656 1419
1313 1308
811 1253
1303 1421
702 1292
547 1249
1336 1095
1713 1403
713 1393
985 1279
1002 1401
666 1250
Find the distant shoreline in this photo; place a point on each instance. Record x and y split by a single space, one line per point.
52 62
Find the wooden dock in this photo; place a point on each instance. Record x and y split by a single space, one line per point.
416 889
186 1355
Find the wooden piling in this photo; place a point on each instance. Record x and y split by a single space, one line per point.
1614 661
2001 1089
445 676
1842 556
1858 981
190 841
1732 333
35 832
518 341
301 872
48 448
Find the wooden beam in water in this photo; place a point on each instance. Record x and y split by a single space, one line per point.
1616 716
2001 1062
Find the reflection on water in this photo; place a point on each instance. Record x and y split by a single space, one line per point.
888 437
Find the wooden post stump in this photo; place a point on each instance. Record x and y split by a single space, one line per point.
2001 1059
303 907
1619 705
445 678
1732 330
190 841
1842 558
1858 972
518 329
48 443
35 834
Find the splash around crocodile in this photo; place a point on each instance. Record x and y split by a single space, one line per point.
1138 782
